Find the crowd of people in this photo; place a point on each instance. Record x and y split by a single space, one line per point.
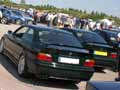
64 20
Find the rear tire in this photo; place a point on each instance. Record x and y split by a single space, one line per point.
4 20
22 66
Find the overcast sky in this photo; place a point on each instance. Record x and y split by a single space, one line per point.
111 7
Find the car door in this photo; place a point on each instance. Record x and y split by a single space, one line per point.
23 42
13 42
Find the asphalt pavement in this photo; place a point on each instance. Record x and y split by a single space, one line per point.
10 80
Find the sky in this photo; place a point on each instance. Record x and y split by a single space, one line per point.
110 7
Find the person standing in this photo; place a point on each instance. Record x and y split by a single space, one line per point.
118 39
49 18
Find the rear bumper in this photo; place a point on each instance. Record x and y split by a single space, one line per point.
106 62
67 72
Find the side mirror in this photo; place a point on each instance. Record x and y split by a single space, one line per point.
9 32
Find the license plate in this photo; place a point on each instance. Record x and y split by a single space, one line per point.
68 60
100 53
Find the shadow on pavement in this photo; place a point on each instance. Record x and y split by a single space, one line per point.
54 83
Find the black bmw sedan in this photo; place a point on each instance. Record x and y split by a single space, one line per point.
105 56
47 53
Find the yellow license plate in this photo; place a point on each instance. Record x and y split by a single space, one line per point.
100 53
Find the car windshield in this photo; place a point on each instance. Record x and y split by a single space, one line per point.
58 38
90 38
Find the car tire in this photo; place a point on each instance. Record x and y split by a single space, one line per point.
22 66
18 22
1 47
4 20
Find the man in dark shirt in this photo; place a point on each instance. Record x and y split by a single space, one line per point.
118 39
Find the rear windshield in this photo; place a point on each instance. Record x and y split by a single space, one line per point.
90 38
58 38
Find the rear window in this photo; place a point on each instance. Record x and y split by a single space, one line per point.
58 37
90 38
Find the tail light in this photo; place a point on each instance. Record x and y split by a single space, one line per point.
44 57
113 55
89 63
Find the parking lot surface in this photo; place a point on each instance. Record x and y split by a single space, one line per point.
9 79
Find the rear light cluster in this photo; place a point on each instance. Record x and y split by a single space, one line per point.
113 55
89 63
44 57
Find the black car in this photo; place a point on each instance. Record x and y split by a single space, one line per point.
47 53
110 36
105 56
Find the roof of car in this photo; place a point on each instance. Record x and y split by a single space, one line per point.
44 27
77 30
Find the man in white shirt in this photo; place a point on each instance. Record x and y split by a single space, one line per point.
1 15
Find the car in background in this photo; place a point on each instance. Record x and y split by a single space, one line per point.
15 16
47 53
105 56
103 85
110 36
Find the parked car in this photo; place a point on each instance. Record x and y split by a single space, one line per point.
110 36
105 56
15 16
47 53
103 85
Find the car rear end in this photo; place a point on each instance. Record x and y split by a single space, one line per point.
64 63
105 56
62 57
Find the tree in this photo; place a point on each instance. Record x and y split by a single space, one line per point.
22 2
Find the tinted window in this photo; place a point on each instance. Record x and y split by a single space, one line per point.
7 12
28 36
112 37
60 38
90 38
19 33
43 36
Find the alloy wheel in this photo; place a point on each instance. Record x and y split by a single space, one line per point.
21 65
